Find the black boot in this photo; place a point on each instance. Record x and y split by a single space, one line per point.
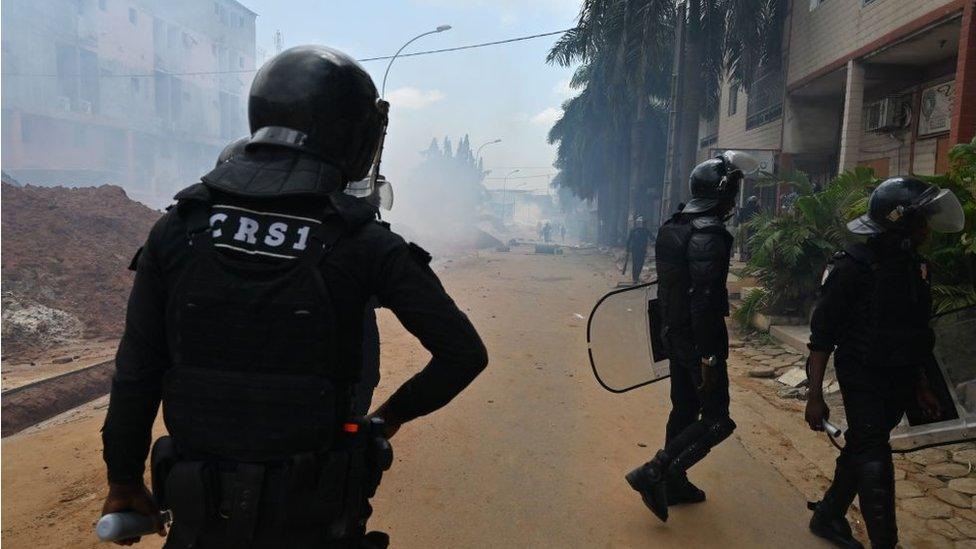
648 481
876 492
680 490
828 521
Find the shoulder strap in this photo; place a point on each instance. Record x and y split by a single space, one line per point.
706 222
196 216
862 254
325 237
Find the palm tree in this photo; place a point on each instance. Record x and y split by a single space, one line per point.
733 38
619 44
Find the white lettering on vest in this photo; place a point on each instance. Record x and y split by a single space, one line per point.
302 238
214 219
276 234
247 230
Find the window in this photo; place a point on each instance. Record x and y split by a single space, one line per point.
240 62
134 82
764 103
102 5
216 8
213 49
133 16
733 99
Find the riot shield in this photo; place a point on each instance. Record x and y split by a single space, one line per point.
623 337
953 379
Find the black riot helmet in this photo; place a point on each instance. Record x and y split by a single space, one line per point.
320 101
233 149
895 202
716 181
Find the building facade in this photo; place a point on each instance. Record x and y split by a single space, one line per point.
889 84
139 93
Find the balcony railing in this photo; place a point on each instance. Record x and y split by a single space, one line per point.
765 100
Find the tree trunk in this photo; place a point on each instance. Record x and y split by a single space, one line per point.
693 94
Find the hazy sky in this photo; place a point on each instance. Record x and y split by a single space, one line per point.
505 91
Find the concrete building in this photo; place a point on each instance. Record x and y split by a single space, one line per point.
889 84
139 93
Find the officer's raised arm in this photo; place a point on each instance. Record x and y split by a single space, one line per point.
409 287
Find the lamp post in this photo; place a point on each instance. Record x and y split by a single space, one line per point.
441 28
477 154
505 192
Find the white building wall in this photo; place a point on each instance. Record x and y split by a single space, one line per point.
839 27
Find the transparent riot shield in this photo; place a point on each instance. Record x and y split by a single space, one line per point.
623 337
953 378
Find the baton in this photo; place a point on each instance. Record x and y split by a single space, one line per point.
832 430
126 525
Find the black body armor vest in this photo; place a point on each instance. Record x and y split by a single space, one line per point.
890 327
673 262
254 373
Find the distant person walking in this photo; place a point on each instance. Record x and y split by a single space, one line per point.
547 233
637 248
562 233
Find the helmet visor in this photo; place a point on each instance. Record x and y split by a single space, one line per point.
385 191
360 189
743 161
944 213
864 225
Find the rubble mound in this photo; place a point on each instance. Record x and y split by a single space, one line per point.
38 325
65 253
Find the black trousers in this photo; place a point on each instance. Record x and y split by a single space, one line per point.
875 400
637 264
692 408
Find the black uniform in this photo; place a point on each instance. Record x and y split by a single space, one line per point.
313 257
637 246
370 376
692 254
874 309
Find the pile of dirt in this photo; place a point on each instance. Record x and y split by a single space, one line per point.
64 259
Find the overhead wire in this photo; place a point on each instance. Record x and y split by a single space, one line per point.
246 71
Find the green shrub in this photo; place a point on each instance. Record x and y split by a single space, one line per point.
752 303
790 251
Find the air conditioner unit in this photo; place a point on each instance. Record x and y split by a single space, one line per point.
64 103
891 113
85 106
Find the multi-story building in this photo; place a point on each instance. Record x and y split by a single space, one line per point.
889 84
139 93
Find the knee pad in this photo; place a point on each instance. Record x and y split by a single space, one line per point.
720 430
710 435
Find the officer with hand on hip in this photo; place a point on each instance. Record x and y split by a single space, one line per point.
246 322
692 254
874 309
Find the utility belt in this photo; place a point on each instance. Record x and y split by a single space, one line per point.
312 498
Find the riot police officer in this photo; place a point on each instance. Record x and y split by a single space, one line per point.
369 377
874 309
692 254
246 319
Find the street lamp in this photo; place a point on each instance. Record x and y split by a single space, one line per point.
441 28
477 154
505 191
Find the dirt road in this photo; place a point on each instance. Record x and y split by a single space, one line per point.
532 455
